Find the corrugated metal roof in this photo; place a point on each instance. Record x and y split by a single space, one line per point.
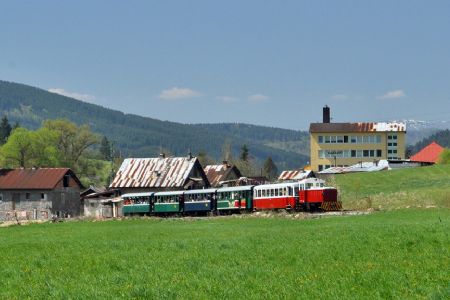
357 127
33 179
430 153
218 173
294 175
159 172
360 167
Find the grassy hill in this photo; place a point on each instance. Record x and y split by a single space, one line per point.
415 187
142 137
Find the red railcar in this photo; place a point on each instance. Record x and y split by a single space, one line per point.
307 194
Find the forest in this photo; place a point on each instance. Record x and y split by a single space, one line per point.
139 136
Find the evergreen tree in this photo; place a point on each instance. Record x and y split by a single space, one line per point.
244 153
5 130
105 148
270 169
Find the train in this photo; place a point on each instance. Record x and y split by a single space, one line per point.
309 194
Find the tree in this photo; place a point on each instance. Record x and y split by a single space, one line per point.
205 159
5 130
444 158
270 169
245 164
227 152
26 148
105 148
72 140
18 151
244 153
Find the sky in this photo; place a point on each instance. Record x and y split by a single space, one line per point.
274 63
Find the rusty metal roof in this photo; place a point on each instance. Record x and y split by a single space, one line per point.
357 127
159 172
294 175
218 173
33 179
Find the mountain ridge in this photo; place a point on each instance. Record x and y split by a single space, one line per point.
141 136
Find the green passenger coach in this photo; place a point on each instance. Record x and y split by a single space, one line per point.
235 198
137 203
168 202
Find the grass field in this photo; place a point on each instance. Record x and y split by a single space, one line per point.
416 187
394 254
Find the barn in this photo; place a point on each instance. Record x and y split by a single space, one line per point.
39 193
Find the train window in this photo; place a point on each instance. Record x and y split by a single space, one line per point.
272 192
296 191
263 193
276 192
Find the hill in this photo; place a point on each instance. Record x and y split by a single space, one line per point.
421 187
143 137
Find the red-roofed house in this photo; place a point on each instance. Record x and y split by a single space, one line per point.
429 154
39 193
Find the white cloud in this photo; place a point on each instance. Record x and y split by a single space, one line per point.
176 93
393 95
79 96
258 98
340 97
226 99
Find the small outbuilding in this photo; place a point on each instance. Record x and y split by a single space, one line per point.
39 193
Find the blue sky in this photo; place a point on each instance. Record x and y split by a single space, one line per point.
272 63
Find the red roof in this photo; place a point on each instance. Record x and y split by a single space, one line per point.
430 153
33 179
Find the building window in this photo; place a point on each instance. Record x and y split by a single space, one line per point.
43 196
27 196
392 137
320 168
320 139
66 181
379 153
1 198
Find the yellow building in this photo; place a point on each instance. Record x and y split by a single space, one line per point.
346 144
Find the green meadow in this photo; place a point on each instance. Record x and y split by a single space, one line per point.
404 188
389 254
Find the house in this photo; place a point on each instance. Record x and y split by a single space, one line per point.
347 144
159 174
219 174
429 154
39 193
